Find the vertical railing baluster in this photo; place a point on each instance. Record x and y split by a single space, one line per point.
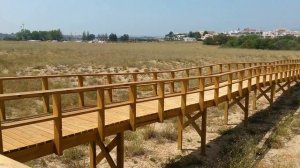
201 93
45 86
216 89
109 91
2 104
172 85
81 94
241 78
155 85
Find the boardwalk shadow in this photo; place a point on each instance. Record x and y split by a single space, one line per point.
231 147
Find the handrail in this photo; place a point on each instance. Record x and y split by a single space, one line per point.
29 94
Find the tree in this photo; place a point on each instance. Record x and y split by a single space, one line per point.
170 36
191 34
195 35
205 32
125 37
102 37
83 36
35 35
90 37
24 34
113 37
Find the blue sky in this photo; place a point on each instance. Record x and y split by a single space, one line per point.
147 17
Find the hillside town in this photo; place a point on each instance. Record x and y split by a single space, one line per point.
279 32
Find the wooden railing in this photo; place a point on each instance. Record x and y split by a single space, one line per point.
268 73
135 77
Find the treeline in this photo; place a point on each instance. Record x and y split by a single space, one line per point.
25 34
255 42
86 36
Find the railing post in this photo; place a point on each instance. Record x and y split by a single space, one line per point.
132 100
241 78
81 94
172 85
199 74
210 72
184 86
187 74
155 85
56 99
216 89
101 113
201 93
109 91
45 86
289 77
228 67
161 101
249 80
265 76
2 104
221 68
229 86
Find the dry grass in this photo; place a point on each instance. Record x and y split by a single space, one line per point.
17 55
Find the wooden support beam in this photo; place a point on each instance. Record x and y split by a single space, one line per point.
1 140
203 132
120 150
132 107
192 121
45 86
2 104
81 94
101 113
246 114
254 99
105 153
57 112
109 91
183 113
226 108
92 152
108 148
161 100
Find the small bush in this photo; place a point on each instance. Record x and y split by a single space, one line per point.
135 148
149 132
169 133
75 153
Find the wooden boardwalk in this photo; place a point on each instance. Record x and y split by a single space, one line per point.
59 129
